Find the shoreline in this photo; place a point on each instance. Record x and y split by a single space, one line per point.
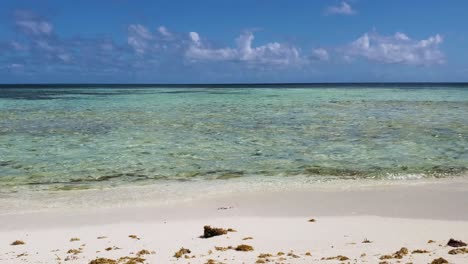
249 193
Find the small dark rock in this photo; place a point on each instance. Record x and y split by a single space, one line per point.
456 243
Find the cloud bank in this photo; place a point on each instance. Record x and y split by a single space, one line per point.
397 49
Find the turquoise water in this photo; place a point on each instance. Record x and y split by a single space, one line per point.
81 138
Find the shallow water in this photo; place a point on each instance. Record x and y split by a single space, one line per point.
81 138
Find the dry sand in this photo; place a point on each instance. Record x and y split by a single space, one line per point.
389 216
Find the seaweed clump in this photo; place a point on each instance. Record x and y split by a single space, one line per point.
131 260
17 243
223 248
209 231
103 261
134 237
212 261
74 251
397 255
339 257
419 251
73 239
143 252
439 261
181 252
458 251
244 247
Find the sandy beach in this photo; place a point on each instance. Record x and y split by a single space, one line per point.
364 223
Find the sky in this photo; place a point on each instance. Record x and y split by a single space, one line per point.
223 41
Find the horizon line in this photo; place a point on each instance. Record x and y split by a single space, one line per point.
229 84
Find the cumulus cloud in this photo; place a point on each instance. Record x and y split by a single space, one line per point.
273 53
320 54
139 37
398 48
341 9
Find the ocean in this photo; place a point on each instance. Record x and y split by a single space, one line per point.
71 137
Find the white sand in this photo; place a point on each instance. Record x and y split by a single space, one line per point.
391 216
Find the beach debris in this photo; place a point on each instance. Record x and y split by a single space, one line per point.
17 243
291 254
363 255
231 230
181 252
144 252
101 237
223 248
134 237
244 247
366 241
22 255
308 254
419 251
384 262
209 231
225 208
397 255
112 248
430 241
280 253
312 220
212 261
247 238
103 261
456 243
339 257
439 261
264 258
74 251
130 260
73 239
70 258
458 251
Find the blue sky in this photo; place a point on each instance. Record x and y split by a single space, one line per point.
124 41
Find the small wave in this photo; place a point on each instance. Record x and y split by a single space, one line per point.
410 176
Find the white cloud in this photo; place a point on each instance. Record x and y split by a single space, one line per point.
342 9
195 38
164 32
271 53
398 48
31 24
138 38
320 54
